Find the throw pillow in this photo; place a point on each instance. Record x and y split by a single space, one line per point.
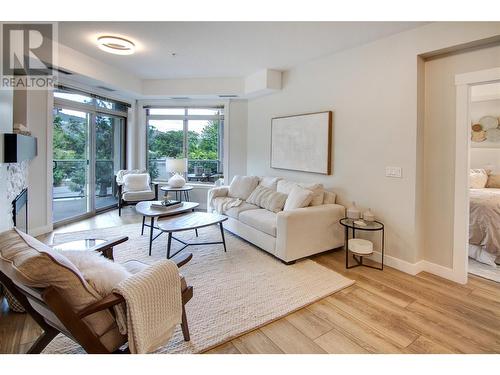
242 186
267 198
270 182
493 181
298 198
477 178
329 197
101 273
286 187
318 193
136 182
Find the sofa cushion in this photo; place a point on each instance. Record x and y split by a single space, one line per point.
235 212
270 182
267 198
136 196
136 182
285 186
242 186
298 198
260 219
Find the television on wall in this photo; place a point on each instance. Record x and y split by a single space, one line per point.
18 147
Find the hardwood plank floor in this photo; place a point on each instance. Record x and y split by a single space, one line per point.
384 312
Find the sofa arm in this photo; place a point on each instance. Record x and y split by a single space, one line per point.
310 230
216 192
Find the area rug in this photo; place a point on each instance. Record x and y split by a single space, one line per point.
484 270
234 292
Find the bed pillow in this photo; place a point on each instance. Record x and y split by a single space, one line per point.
493 181
298 198
478 178
267 198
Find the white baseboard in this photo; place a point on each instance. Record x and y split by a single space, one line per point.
420 266
40 230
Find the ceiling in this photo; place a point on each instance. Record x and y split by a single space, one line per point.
221 49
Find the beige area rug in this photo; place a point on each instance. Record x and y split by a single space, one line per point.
484 270
234 292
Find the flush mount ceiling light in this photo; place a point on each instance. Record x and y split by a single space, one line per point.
116 45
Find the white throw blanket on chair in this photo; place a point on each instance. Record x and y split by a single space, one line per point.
153 304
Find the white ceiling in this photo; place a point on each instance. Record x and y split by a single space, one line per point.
221 49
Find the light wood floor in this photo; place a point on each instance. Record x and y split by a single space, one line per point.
384 312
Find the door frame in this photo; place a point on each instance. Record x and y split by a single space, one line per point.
463 83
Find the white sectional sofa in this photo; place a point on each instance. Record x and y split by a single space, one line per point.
287 233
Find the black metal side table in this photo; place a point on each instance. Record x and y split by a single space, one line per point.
371 226
181 193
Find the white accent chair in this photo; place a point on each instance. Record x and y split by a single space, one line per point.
134 186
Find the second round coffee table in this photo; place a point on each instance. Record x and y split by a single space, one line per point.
145 209
190 221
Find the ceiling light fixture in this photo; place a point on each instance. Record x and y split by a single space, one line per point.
116 45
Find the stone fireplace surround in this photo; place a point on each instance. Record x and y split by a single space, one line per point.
16 176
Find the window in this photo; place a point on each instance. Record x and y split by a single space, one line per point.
186 132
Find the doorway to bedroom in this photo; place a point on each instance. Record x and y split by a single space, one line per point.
484 181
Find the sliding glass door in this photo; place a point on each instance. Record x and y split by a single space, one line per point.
71 150
109 157
88 149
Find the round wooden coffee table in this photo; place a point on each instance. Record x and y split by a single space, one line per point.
190 221
145 209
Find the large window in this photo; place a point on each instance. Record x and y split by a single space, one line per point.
186 132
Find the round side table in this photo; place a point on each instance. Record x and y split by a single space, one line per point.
181 194
362 249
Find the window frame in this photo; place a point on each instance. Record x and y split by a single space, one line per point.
185 119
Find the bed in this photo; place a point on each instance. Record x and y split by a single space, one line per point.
484 225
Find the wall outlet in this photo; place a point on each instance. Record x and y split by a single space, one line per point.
396 172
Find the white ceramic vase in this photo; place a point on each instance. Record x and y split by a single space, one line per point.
353 212
176 181
368 215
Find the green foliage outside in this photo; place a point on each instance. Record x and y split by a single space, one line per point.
169 144
70 152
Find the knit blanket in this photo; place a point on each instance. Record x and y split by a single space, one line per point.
153 306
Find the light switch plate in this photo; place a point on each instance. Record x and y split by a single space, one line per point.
395 172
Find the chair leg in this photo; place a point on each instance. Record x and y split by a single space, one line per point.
120 207
42 342
184 325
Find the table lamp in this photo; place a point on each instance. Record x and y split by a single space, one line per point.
177 168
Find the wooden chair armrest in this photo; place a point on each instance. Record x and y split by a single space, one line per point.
111 243
105 303
183 259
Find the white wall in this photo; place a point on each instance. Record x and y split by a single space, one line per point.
372 91
440 123
485 157
40 105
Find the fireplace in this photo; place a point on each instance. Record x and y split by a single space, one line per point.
20 211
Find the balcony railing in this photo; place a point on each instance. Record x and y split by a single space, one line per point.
198 170
70 178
